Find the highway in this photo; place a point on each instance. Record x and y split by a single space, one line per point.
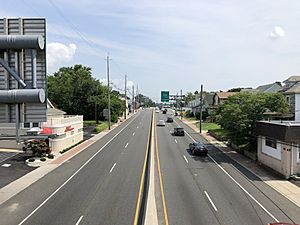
211 189
102 184
104 190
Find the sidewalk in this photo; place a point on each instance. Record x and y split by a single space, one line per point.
284 187
23 182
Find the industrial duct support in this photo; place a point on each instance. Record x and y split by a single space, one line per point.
22 42
13 73
22 96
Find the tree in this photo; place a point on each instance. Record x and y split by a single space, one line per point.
75 91
238 115
189 97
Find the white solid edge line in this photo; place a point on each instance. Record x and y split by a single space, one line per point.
211 202
185 159
237 183
133 134
137 127
126 145
112 168
79 220
77 171
176 141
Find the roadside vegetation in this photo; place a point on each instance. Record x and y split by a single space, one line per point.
75 91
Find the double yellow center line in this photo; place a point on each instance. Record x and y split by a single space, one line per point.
136 218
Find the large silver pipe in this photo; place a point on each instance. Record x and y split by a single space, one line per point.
13 73
22 95
22 42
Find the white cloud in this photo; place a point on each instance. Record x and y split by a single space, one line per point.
276 33
59 54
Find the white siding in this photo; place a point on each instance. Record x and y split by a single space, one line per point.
276 153
297 107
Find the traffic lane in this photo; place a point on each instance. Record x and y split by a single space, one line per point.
229 202
270 199
26 201
116 202
185 202
87 186
232 206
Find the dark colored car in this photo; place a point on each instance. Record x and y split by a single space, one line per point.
178 131
169 120
165 111
198 148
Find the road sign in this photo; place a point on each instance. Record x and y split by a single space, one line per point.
164 96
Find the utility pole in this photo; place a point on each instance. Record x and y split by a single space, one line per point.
201 104
108 92
125 113
133 100
181 104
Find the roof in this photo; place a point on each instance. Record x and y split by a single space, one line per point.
292 79
54 112
265 87
225 95
295 89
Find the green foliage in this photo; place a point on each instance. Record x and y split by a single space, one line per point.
100 127
240 112
75 91
189 97
38 148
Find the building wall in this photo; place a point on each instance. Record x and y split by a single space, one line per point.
297 107
284 159
64 138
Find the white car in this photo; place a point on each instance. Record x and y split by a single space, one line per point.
157 110
161 123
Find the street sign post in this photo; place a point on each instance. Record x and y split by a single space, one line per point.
164 96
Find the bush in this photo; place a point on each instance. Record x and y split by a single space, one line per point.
39 148
43 159
204 115
50 156
31 160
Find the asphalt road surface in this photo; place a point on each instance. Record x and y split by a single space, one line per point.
101 185
102 191
212 189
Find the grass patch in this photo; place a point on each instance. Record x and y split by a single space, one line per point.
89 123
210 126
220 134
101 127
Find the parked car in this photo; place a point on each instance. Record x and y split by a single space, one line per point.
178 131
198 148
169 120
161 123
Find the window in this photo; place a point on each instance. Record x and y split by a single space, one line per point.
271 143
287 98
35 124
26 125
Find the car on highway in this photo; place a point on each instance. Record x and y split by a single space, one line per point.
165 111
157 110
178 131
169 120
198 148
161 123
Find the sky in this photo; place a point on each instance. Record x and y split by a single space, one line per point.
171 44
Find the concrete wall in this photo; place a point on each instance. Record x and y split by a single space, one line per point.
284 159
297 107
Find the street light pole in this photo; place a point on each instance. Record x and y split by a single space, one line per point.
201 103
108 92
181 104
125 97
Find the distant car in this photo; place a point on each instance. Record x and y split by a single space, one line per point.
198 148
161 123
157 110
169 120
165 111
178 131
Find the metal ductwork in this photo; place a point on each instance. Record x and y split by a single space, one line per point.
22 42
22 95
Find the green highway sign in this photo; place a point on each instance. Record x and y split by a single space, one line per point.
164 96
